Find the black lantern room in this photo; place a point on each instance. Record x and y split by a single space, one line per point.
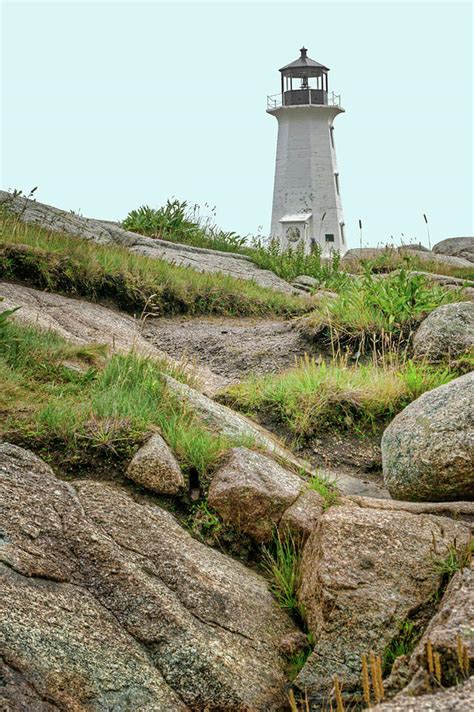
304 81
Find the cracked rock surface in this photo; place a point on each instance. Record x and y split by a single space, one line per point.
450 631
112 605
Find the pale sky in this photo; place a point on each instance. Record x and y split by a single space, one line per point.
106 106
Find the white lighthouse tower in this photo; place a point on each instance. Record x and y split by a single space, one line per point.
306 198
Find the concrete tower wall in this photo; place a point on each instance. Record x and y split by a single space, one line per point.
305 176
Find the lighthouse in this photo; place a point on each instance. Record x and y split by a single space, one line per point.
307 209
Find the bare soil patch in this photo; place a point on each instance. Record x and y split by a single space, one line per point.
231 348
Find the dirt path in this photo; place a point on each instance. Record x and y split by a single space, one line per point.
231 348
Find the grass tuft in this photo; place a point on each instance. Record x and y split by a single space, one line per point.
403 643
456 559
313 396
282 562
326 488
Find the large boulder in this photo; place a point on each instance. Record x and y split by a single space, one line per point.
428 448
110 604
448 332
414 246
154 466
457 247
454 510
363 572
251 491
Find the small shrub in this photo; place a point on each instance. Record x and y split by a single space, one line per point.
293 261
177 222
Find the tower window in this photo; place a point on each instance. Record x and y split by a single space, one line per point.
329 237
331 133
336 178
343 238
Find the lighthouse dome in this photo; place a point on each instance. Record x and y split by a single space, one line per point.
304 62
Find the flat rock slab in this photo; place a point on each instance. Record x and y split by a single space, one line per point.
454 510
109 233
110 604
457 247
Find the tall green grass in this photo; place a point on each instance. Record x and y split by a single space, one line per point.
376 314
282 562
82 402
133 282
179 222
293 261
312 396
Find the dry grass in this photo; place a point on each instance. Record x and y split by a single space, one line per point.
312 395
